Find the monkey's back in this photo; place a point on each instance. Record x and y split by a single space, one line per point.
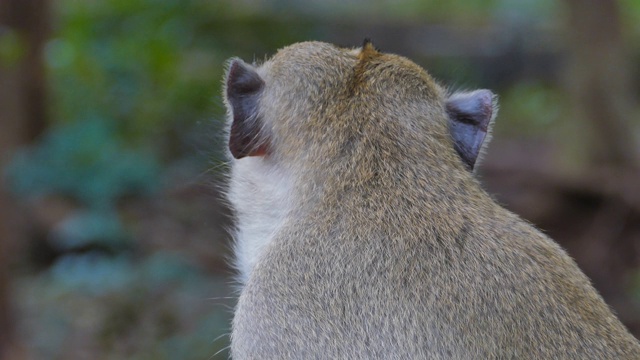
367 292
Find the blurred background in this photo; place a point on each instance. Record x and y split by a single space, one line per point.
113 241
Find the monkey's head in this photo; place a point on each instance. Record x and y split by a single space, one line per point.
318 104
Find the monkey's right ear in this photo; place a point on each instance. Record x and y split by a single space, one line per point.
242 90
471 116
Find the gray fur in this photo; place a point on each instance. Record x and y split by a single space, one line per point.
384 246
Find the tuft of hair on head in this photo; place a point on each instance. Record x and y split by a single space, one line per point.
366 54
368 51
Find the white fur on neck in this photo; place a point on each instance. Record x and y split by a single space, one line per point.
259 193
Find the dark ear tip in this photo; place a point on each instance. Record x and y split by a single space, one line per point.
485 93
241 79
234 65
487 96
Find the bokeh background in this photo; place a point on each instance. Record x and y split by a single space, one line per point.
113 241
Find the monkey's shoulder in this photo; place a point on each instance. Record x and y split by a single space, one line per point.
421 296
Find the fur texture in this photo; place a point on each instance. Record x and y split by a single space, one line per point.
362 235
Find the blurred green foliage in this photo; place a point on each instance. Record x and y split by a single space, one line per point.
87 163
132 62
84 161
531 109
152 67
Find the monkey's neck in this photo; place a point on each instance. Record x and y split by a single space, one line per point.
395 198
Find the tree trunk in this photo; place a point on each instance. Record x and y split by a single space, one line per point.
598 79
23 116
599 86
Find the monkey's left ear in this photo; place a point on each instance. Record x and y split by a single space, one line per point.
242 92
471 116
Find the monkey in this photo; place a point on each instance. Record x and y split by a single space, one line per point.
362 231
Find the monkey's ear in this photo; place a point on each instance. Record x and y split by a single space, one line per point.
471 116
242 90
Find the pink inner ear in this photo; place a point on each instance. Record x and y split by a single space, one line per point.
260 151
246 139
